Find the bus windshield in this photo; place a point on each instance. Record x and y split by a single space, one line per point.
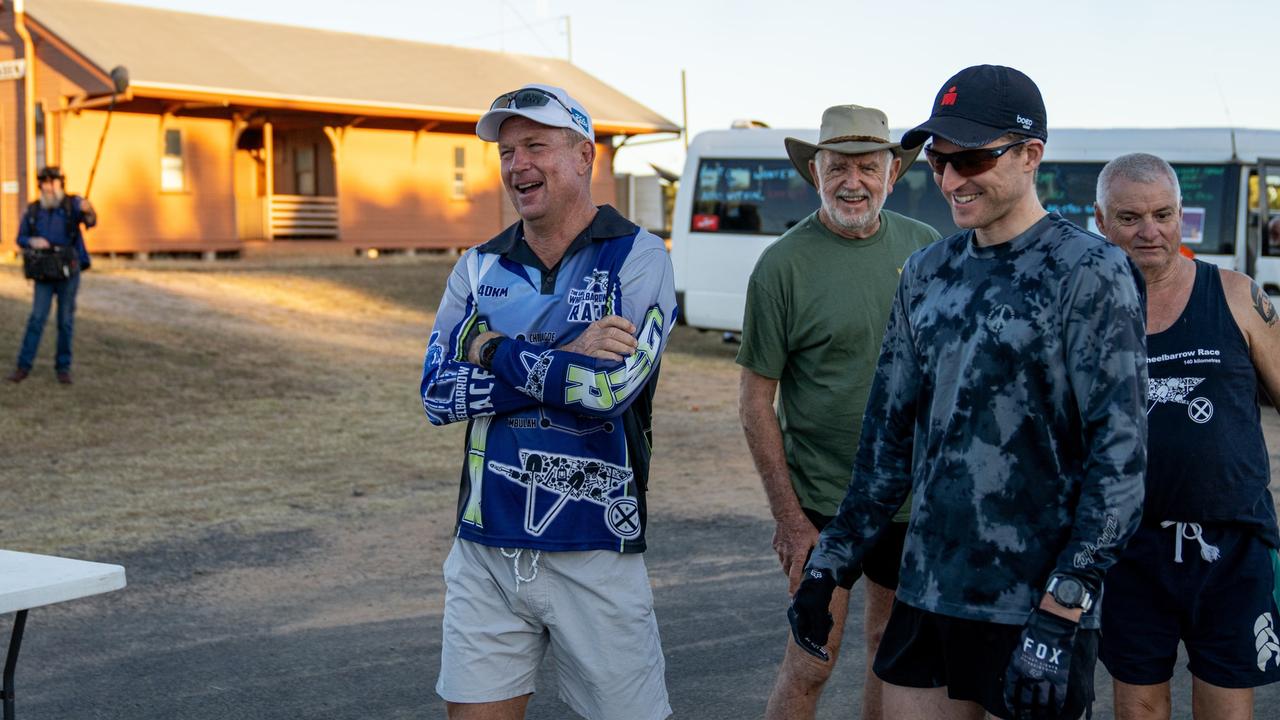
750 196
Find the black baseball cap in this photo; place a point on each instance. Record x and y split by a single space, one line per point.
981 103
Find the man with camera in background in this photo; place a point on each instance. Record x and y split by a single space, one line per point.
54 255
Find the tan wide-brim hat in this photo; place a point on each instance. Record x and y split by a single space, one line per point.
850 130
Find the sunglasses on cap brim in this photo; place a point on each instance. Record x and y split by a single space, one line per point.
526 98
968 163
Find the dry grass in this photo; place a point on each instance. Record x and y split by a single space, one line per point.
263 397
226 395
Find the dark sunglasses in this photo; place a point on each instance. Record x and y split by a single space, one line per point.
526 98
968 163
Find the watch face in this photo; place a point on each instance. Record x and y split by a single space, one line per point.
1069 592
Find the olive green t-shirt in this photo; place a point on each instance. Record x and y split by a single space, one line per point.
817 306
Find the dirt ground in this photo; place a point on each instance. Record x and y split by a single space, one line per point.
247 441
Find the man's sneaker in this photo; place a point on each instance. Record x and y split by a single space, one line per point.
64 377
17 376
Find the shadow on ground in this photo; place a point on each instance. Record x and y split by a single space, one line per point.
175 644
163 649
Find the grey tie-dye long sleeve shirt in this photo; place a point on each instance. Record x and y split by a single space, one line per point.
1009 393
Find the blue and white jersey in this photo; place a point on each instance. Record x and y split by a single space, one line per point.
558 444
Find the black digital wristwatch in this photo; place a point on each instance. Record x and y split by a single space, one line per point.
1069 592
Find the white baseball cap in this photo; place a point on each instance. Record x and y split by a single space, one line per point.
542 104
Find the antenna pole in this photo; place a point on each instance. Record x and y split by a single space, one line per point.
684 111
568 33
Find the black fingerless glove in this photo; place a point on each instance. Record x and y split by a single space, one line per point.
1035 683
810 613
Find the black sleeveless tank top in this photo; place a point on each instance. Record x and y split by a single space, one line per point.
1207 459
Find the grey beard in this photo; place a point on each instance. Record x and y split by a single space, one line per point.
49 202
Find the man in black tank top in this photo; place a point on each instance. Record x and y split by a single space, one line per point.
1202 567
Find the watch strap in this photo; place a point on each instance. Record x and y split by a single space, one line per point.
488 350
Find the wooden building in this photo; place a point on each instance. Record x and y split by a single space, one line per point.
234 134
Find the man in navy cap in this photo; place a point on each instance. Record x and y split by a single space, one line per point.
1010 394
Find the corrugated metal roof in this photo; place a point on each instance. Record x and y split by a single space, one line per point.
164 49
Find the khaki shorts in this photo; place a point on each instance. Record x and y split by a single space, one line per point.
593 609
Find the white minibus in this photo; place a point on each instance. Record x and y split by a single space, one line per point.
739 192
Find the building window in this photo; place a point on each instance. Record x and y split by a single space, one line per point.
304 169
460 173
42 154
173 165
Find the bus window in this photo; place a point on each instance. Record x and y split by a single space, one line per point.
1273 200
750 196
1273 190
1208 200
1068 189
1209 197
916 196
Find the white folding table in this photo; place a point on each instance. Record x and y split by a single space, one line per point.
28 581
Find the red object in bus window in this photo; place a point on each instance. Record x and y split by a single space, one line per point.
706 223
1186 252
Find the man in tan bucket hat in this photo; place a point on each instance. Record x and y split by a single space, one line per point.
817 305
851 130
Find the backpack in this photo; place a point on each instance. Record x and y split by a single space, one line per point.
57 262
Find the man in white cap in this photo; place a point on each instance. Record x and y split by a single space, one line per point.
817 304
547 343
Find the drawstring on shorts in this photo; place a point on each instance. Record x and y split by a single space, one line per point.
1207 551
515 565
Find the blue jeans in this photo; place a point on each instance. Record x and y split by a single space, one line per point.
45 291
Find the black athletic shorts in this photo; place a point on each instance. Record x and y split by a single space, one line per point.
1224 611
884 559
925 650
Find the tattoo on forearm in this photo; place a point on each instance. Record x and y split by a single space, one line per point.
1262 303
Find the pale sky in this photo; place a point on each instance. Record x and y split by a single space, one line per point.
1101 63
